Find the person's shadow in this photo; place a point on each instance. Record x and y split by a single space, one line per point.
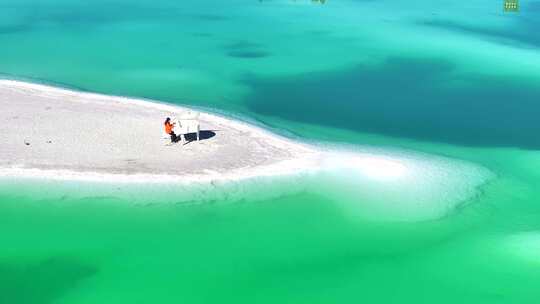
203 135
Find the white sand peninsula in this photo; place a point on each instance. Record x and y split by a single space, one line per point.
55 133
47 131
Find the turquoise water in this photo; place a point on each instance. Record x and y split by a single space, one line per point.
459 80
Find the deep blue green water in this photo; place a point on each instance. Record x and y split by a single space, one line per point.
453 79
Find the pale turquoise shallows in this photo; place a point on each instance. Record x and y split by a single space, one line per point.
454 79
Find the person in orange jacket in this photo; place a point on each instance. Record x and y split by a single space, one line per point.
169 130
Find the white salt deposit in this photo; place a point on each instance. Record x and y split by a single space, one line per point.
89 137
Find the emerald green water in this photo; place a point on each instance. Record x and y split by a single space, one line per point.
458 80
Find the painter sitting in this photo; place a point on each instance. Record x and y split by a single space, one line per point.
169 130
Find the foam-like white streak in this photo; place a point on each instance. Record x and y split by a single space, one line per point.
401 185
288 167
371 166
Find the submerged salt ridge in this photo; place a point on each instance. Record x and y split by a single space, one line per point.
403 185
382 182
399 186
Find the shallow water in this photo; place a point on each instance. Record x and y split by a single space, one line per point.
458 80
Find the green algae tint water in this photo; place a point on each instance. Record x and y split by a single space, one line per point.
458 80
66 247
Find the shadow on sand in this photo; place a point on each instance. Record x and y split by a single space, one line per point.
203 135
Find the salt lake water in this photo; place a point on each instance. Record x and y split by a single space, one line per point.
455 86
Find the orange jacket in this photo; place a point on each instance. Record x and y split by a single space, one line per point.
168 128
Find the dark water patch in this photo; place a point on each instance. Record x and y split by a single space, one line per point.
14 29
248 54
242 45
245 49
408 98
43 282
523 32
533 7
